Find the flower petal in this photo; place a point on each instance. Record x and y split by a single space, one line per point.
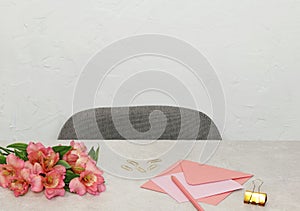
91 166
36 183
101 188
14 161
19 186
61 169
52 192
77 187
28 165
25 173
79 147
33 147
93 189
3 181
37 168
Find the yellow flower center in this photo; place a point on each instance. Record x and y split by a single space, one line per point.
89 179
8 172
51 182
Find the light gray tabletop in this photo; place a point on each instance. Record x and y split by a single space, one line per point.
275 162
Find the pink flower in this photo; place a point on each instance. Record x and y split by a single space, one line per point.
54 182
87 182
78 147
78 150
90 176
19 186
80 164
34 147
86 163
10 170
15 175
37 153
70 158
50 159
7 173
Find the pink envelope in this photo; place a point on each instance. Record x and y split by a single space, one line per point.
196 173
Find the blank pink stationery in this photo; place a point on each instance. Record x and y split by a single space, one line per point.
197 191
196 174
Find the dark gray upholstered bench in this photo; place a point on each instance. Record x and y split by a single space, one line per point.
98 123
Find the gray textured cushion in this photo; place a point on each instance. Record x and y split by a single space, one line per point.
148 122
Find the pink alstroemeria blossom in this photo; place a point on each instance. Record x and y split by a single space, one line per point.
50 159
15 175
34 147
87 182
86 163
70 158
10 170
80 164
19 186
78 147
54 182
37 153
78 150
6 174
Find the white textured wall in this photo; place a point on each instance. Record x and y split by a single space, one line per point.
253 46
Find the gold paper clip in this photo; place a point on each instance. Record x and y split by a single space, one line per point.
257 198
132 162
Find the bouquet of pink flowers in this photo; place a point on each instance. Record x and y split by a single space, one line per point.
54 169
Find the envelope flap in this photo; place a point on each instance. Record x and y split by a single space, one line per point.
196 173
175 168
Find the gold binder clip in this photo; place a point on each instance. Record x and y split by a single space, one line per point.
257 198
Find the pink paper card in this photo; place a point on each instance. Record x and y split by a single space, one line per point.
197 191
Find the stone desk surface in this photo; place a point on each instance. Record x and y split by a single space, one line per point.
275 162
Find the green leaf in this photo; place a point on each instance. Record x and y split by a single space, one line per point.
66 187
18 146
70 172
8 151
94 154
2 159
62 150
97 154
21 154
63 163
3 153
69 176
